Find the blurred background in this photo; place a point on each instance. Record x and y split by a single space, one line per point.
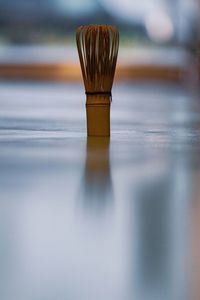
145 22
152 33
99 219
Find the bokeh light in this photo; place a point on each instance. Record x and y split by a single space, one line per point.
159 26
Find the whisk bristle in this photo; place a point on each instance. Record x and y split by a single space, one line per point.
98 50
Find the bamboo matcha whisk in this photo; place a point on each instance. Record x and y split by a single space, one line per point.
98 49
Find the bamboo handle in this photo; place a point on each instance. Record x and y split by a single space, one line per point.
98 116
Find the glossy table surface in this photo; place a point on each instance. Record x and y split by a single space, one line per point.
84 219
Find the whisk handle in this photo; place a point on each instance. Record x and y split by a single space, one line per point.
99 93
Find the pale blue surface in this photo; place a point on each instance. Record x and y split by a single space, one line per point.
126 237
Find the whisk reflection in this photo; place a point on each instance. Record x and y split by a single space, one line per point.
97 182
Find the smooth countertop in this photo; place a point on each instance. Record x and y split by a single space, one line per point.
103 219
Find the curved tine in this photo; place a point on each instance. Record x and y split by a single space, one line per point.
105 69
83 53
98 58
84 50
107 60
97 66
110 49
84 43
91 55
114 52
98 49
96 55
84 56
116 41
78 40
111 56
109 45
116 44
88 43
102 58
115 38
